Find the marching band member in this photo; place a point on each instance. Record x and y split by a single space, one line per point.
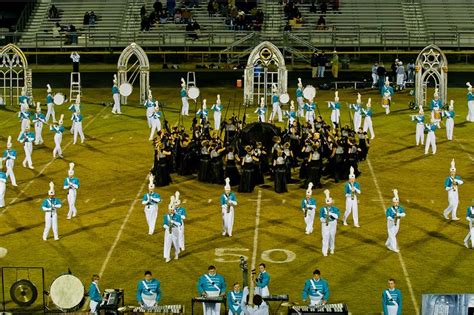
3 185
211 284
50 104
357 107
150 106
9 155
387 88
76 106
228 202
49 207
367 113
328 216
217 108
116 96
316 290
39 120
23 97
308 206
262 281
449 114
71 184
184 98
470 233
182 213
299 98
151 200
171 223
335 110
148 291
94 295
420 126
155 121
435 106
260 111
276 109
291 115
310 107
470 103
77 125
24 115
387 92
352 189
58 130
234 300
431 136
392 300
393 214
451 185
203 113
27 138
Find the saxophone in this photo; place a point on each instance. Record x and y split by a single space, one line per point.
352 191
455 183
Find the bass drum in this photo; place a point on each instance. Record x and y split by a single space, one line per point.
67 293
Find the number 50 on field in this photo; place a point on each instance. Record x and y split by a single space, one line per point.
227 255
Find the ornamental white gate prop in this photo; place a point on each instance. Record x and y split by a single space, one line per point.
14 74
265 66
431 64
141 68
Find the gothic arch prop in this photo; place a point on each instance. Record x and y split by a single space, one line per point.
14 74
431 64
141 68
264 56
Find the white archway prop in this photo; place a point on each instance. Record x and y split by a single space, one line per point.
140 68
14 74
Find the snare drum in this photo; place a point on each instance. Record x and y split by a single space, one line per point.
437 114
67 292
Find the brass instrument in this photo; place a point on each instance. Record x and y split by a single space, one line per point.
352 191
327 216
455 183
228 204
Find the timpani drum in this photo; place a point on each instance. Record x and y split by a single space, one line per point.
67 293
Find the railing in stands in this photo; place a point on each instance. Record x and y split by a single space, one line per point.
25 15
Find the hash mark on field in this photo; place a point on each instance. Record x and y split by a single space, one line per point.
130 138
400 257
38 200
432 201
185 200
113 200
283 201
209 200
111 138
87 201
106 116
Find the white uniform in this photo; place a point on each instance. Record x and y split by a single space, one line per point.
328 228
151 200
470 234
452 187
71 184
27 139
3 181
185 103
228 201
352 202
309 206
51 217
155 124
10 155
171 225
393 226
77 126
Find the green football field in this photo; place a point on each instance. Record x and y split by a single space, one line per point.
109 236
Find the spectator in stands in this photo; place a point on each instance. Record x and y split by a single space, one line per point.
335 64
193 29
71 35
287 27
323 60
210 7
314 64
335 6
258 20
240 21
170 6
53 12
163 17
85 20
375 77
158 6
145 24
321 23
323 8
178 16
56 30
411 72
186 16
92 18
152 18
313 8
381 73
142 11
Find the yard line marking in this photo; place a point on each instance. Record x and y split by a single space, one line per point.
400 257
209 200
87 201
47 165
462 147
112 201
255 234
122 227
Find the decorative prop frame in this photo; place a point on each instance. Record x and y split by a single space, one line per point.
144 68
14 74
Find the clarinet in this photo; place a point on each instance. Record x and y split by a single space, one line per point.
455 184
327 216
228 204
352 192
305 208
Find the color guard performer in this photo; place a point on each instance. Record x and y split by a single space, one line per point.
49 207
393 214
420 126
148 291
24 115
116 96
3 185
262 282
71 184
387 93
300 98
308 206
151 200
234 300
39 120
58 130
276 108
451 184
182 213
155 121
357 108
150 107
352 189
171 223
316 290
75 107
431 136
27 138
9 155
470 103
291 115
184 98
23 97
203 113
367 113
77 126
310 107
94 295
328 216
470 233
228 202
435 106
449 114
211 285
392 300
261 110
335 110
50 104
217 108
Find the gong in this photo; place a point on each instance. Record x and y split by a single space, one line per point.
23 292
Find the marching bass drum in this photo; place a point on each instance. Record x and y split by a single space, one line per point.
67 293
284 98
309 92
193 92
125 89
58 99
